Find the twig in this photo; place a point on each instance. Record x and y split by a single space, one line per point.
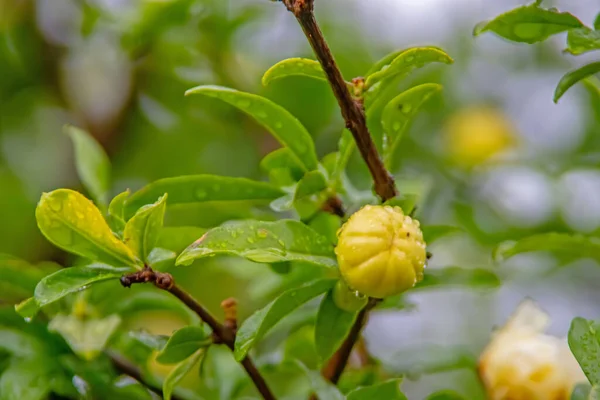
222 333
337 363
351 107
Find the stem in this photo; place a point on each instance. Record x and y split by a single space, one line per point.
222 334
352 108
337 363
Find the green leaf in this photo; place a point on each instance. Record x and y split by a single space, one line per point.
19 344
263 242
389 390
592 84
310 194
398 114
73 223
87 337
18 278
116 212
457 276
431 233
323 388
183 343
597 22
179 372
529 24
332 326
200 189
70 280
152 301
27 380
294 66
282 160
259 323
276 119
584 342
406 61
28 308
142 230
583 391
445 395
385 60
571 78
92 163
432 359
177 238
566 246
406 201
346 146
582 40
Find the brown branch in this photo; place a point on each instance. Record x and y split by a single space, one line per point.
337 363
351 107
222 333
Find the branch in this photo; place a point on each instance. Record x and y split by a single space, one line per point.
337 363
223 334
352 108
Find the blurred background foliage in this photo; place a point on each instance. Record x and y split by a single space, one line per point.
492 154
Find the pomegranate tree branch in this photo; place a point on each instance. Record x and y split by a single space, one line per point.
351 107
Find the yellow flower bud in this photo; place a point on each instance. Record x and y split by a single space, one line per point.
381 251
523 363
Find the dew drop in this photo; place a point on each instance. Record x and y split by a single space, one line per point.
56 205
243 103
396 126
281 242
250 240
200 193
261 114
409 59
262 233
27 319
278 125
406 109
300 65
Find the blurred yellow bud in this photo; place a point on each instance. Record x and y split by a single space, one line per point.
381 251
474 135
523 363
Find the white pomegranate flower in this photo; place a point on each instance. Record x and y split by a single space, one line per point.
521 362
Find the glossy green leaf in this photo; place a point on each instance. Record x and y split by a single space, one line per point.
389 390
584 342
406 61
276 119
70 280
322 388
573 77
332 327
582 40
327 225
445 395
431 233
294 66
529 24
345 147
73 223
28 308
179 372
259 323
161 259
264 242
459 277
92 163
116 212
142 230
566 246
183 343
398 114
87 337
283 160
385 60
582 391
177 238
310 194
200 189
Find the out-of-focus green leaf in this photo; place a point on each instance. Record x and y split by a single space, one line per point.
310 194
142 230
154 342
573 77
406 61
345 147
406 201
456 276
389 390
584 342
70 280
28 308
432 359
276 119
259 323
183 343
202 188
152 301
385 60
332 327
19 344
431 233
179 372
30 379
73 223
87 337
18 278
398 114
282 160
177 238
566 246
327 225
582 391
529 24
116 212
322 388
264 242
220 372
161 259
582 40
445 395
592 84
294 66
92 163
